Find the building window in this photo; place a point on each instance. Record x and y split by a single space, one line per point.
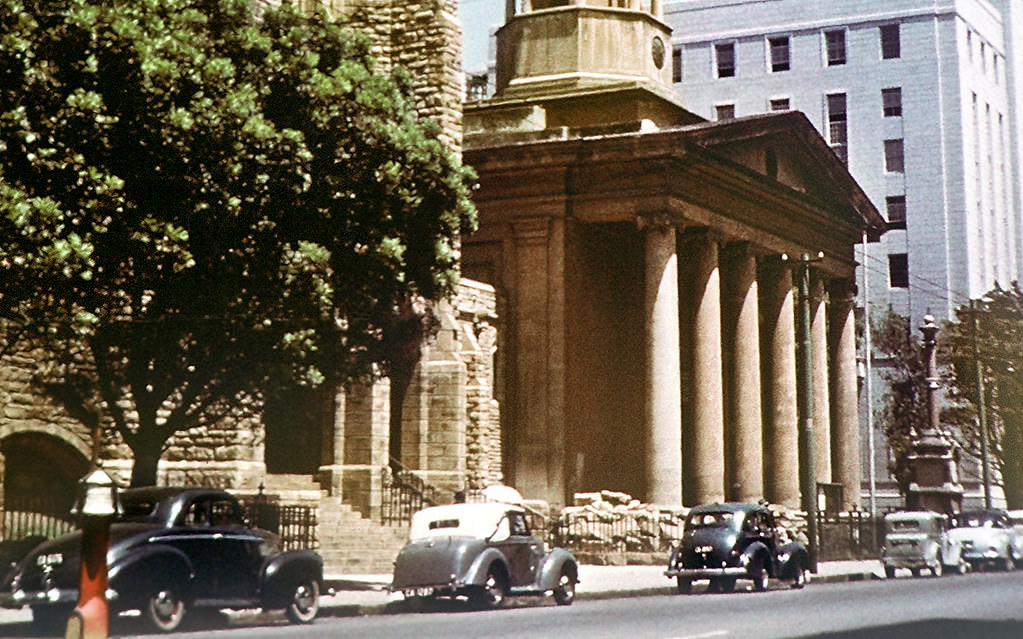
838 132
898 270
834 42
725 55
895 207
892 100
676 64
779 53
891 43
724 111
779 104
894 158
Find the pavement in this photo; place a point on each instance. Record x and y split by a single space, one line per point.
357 595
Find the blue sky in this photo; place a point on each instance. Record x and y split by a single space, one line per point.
478 18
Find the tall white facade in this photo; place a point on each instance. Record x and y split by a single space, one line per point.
919 96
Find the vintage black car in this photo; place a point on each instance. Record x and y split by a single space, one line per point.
172 549
483 552
725 542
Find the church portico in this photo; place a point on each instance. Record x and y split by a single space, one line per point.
650 333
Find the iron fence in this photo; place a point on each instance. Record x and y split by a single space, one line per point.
849 535
294 524
35 517
404 494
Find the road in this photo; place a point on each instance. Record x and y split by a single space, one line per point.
986 606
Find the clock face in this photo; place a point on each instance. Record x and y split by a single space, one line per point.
657 51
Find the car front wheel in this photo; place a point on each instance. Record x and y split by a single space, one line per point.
165 609
760 577
304 603
684 585
564 593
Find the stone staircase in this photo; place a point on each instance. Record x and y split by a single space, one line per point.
349 543
353 545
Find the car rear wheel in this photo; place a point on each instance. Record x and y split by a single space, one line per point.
164 609
938 569
305 602
801 578
564 593
683 585
889 572
491 594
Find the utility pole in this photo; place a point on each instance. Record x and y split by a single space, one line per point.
985 462
804 401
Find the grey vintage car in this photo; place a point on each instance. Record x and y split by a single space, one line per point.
725 542
483 552
172 550
988 538
919 540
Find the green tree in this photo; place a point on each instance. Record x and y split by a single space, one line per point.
903 404
198 207
999 350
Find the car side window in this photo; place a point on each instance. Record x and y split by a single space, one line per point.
198 514
518 524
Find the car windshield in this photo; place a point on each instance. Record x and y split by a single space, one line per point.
718 519
904 525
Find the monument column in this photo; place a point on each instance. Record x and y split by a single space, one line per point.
819 358
664 386
744 458
778 349
845 420
705 457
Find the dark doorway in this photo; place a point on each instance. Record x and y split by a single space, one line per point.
295 422
40 469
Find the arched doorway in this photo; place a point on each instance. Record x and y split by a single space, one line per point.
295 421
40 471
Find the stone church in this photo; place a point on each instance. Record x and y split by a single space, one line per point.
626 320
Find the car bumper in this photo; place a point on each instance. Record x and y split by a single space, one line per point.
908 562
705 573
54 596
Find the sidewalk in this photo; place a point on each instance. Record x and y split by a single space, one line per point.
356 595
367 594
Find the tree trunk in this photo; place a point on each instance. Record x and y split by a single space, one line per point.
147 457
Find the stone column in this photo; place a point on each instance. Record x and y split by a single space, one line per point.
744 458
778 350
819 357
705 458
845 420
664 385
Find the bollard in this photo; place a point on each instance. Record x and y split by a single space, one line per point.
95 509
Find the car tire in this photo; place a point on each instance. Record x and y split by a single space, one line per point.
938 569
760 577
916 572
50 620
889 572
1007 564
564 592
164 609
304 603
801 579
492 593
683 585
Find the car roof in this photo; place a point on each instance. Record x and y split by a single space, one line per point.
912 514
471 520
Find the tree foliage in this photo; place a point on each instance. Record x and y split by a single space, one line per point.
198 206
903 405
997 345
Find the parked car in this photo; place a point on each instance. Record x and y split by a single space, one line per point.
920 540
988 538
725 542
173 549
483 552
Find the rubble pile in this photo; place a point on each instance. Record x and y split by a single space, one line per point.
612 521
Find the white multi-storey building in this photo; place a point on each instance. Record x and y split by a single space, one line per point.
917 96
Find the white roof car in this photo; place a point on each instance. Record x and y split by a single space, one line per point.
461 520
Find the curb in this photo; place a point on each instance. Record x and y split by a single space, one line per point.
396 607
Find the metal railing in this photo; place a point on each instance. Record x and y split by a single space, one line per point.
35 517
405 493
294 524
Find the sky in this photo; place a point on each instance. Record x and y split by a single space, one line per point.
478 17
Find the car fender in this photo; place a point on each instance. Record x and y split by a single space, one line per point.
791 558
286 570
476 575
754 550
550 571
132 574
